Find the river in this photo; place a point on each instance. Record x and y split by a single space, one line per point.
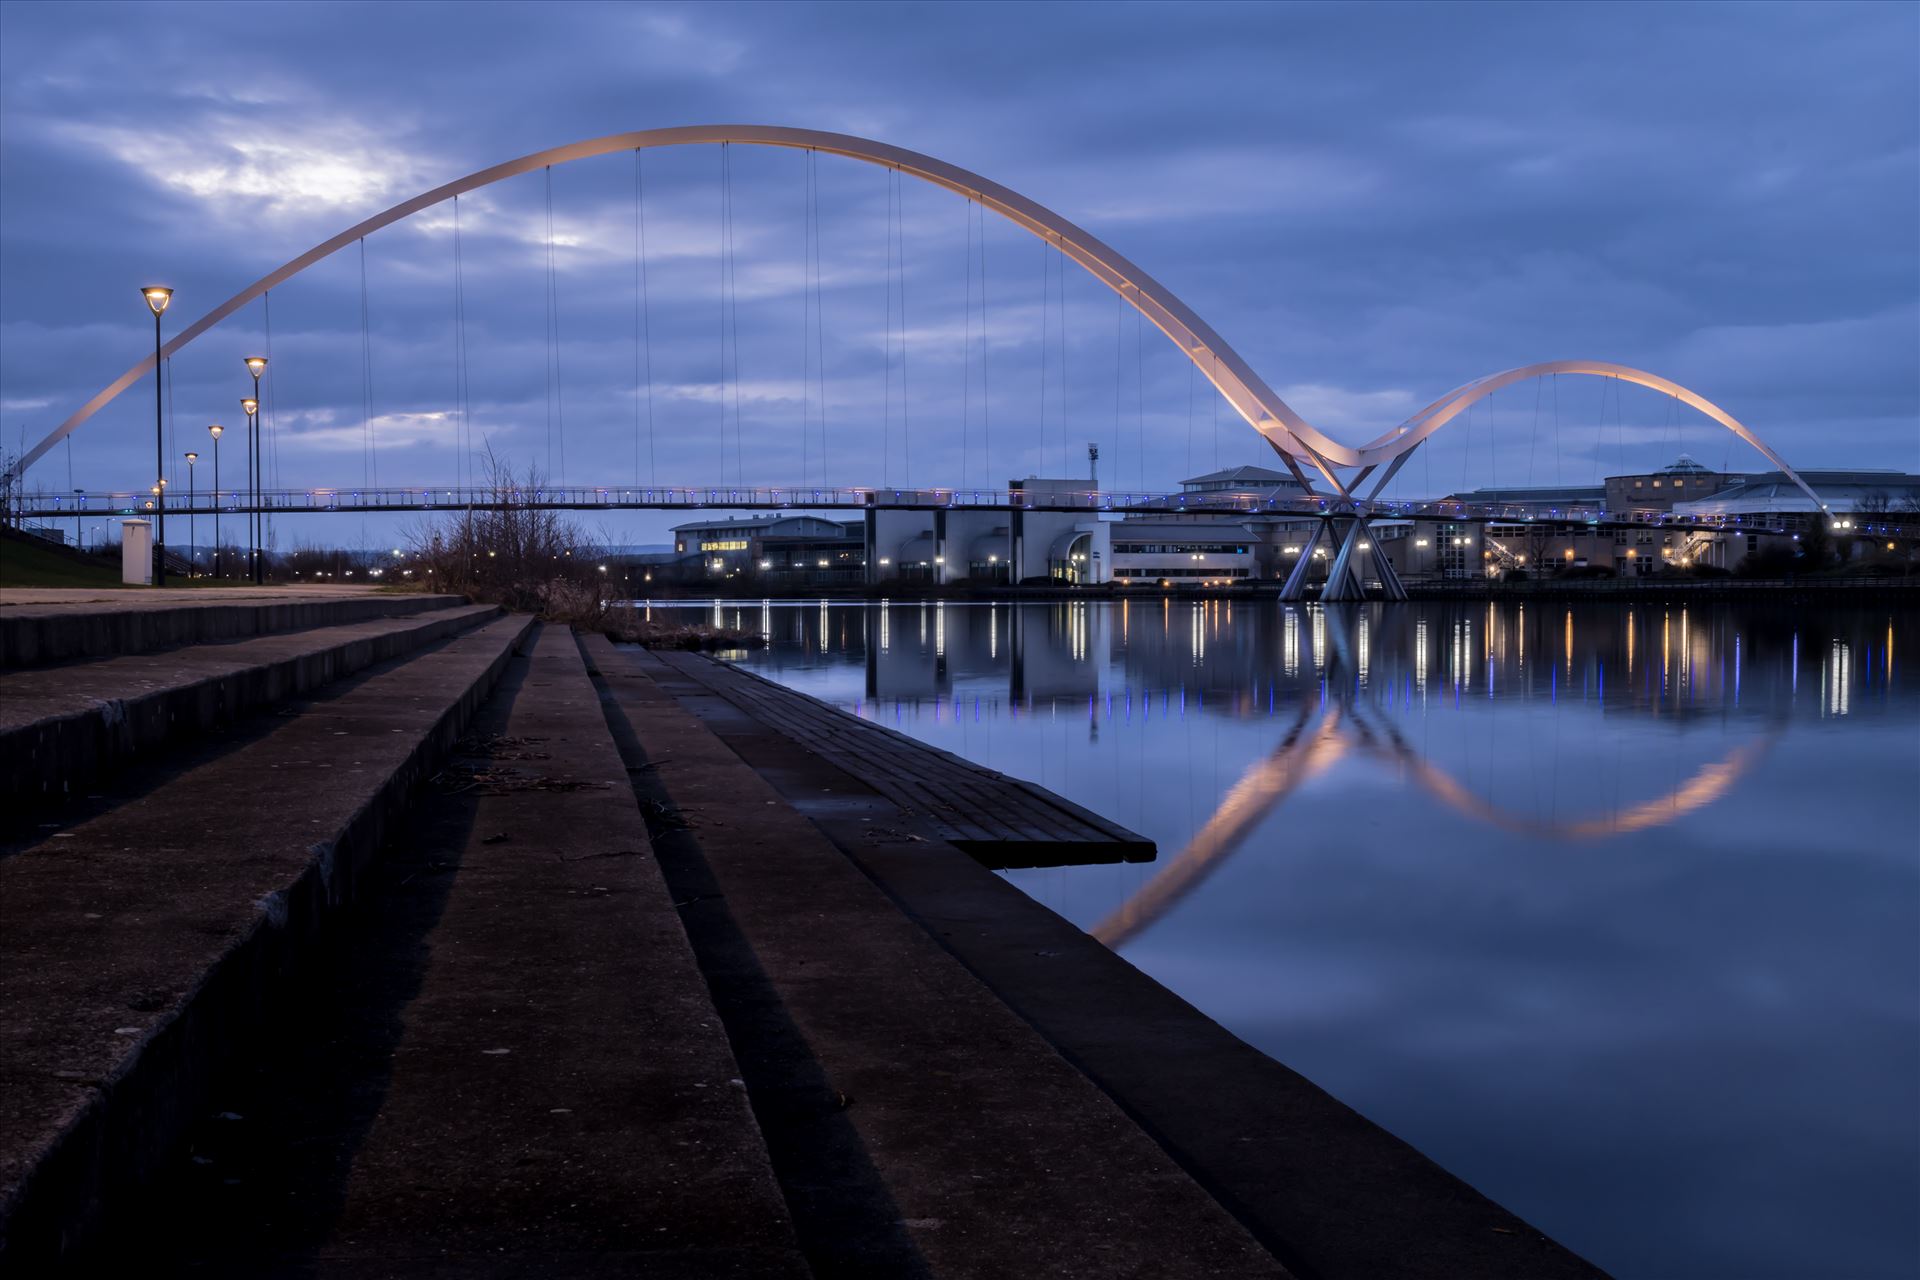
1612 910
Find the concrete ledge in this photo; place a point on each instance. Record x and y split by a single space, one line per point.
64 727
136 953
1001 1158
36 634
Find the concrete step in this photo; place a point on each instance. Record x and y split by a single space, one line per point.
137 948
995 1156
38 628
64 728
559 1096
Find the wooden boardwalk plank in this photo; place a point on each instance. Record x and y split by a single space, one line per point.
1001 820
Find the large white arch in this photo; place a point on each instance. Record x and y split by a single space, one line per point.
1250 396
1405 437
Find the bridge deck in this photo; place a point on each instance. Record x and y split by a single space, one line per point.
1002 821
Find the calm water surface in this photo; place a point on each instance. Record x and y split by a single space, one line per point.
1614 912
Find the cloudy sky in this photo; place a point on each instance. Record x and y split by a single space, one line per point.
1372 203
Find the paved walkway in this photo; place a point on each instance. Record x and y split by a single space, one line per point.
94 599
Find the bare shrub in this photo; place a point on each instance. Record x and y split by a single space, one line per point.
510 553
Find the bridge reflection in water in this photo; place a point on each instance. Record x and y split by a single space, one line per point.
1570 896
1345 680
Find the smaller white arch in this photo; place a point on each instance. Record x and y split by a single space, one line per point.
1403 438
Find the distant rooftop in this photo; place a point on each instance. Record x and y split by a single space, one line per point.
1772 492
1560 495
1242 479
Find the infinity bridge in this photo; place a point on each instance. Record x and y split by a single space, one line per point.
1330 472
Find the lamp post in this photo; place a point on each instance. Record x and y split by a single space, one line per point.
193 521
257 365
216 430
250 406
158 296
79 501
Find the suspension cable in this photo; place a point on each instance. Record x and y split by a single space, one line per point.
980 300
1140 395
173 441
886 353
368 459
461 431
559 375
1533 441
819 317
1493 453
644 317
906 430
1060 287
546 355
966 353
1559 471
1466 449
1619 426
733 325
1045 336
1119 374
806 314
1192 369
986 354
1216 416
273 430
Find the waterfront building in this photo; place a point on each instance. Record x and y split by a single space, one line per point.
1682 480
1223 537
796 549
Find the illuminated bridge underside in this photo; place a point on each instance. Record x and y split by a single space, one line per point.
1298 442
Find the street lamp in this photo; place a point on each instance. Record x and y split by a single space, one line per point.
216 431
158 296
79 501
256 365
251 407
193 521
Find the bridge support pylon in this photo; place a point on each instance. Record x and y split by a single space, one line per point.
1344 579
872 541
1295 587
940 547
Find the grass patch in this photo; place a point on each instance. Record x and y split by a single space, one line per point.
24 562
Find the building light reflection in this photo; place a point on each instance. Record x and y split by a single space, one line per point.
1839 678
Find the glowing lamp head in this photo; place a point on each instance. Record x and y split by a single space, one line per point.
216 431
256 365
251 406
192 458
157 296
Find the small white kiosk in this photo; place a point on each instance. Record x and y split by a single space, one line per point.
136 552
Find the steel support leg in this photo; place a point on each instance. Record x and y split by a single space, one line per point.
1295 587
1389 580
1342 583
